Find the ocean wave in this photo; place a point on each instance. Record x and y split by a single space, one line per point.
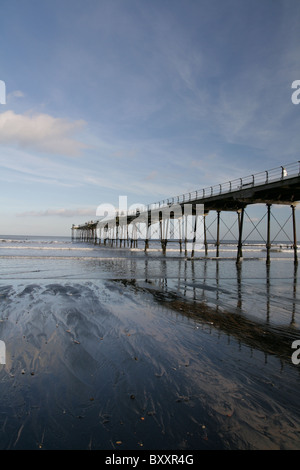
55 248
25 240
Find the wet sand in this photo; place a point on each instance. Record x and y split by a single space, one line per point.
127 364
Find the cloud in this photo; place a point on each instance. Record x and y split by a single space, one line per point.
63 212
16 94
41 132
152 175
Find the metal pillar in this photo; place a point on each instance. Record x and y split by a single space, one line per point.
166 228
240 242
294 235
147 235
239 227
218 233
268 244
162 232
180 233
194 236
204 230
185 235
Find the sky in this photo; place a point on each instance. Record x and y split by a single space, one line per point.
140 98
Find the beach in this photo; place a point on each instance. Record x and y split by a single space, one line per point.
114 348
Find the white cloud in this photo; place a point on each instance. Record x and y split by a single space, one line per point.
16 94
41 132
63 212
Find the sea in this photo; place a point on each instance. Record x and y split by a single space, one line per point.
114 348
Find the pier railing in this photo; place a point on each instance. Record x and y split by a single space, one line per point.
277 174
264 177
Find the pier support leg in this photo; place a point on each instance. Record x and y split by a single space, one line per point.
204 233
218 234
147 236
117 234
268 244
180 234
240 242
164 234
194 236
185 235
294 235
161 232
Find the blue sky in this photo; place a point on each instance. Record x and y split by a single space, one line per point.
142 98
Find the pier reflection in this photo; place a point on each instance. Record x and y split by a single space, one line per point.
258 308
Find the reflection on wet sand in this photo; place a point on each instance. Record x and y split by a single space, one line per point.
187 296
150 354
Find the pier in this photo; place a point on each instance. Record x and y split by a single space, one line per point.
182 219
